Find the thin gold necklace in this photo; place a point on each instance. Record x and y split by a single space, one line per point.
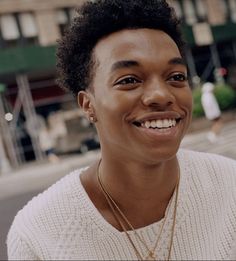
123 227
112 204
151 253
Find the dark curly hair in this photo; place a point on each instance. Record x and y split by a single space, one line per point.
99 18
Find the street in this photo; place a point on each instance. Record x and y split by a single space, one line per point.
21 186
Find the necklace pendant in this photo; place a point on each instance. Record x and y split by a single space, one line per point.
151 256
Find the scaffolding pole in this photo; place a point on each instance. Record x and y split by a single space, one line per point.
192 67
7 137
29 112
216 61
13 127
5 166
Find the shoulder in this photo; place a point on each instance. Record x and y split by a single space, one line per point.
211 168
47 214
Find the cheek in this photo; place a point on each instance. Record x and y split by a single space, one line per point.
116 103
112 112
189 99
185 99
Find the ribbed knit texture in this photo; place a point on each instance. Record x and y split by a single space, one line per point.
63 224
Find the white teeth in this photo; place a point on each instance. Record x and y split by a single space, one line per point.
165 123
153 124
159 123
147 124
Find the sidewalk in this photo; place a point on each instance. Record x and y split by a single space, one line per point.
226 145
202 124
38 176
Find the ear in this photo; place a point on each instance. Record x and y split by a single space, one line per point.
85 101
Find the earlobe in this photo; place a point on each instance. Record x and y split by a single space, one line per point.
85 102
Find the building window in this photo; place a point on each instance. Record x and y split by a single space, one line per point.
72 13
176 5
201 9
18 29
190 12
63 18
9 29
28 25
232 8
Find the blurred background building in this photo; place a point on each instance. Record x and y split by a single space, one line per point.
31 100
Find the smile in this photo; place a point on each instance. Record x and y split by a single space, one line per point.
157 123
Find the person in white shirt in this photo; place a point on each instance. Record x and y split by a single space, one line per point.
212 111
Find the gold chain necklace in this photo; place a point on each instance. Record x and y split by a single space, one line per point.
151 253
123 227
112 204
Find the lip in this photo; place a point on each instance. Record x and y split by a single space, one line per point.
158 115
163 134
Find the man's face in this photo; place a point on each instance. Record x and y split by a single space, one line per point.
141 97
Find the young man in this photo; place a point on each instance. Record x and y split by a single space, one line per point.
144 198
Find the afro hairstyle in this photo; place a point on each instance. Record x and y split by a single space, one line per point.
99 18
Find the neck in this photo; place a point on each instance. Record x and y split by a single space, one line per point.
136 184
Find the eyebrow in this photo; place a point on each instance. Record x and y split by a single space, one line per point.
124 64
132 63
177 60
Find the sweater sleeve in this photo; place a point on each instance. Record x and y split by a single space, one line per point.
17 248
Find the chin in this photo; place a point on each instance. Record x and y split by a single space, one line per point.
160 154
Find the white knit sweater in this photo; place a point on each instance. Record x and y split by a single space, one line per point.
63 224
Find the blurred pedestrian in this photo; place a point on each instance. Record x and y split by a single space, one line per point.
39 127
47 143
212 111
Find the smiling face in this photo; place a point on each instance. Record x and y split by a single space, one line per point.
141 97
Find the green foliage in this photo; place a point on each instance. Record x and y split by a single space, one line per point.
225 96
2 87
197 106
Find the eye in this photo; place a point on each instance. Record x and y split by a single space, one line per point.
129 80
178 77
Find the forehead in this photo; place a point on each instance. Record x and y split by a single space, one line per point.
135 44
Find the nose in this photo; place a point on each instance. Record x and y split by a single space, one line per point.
158 95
